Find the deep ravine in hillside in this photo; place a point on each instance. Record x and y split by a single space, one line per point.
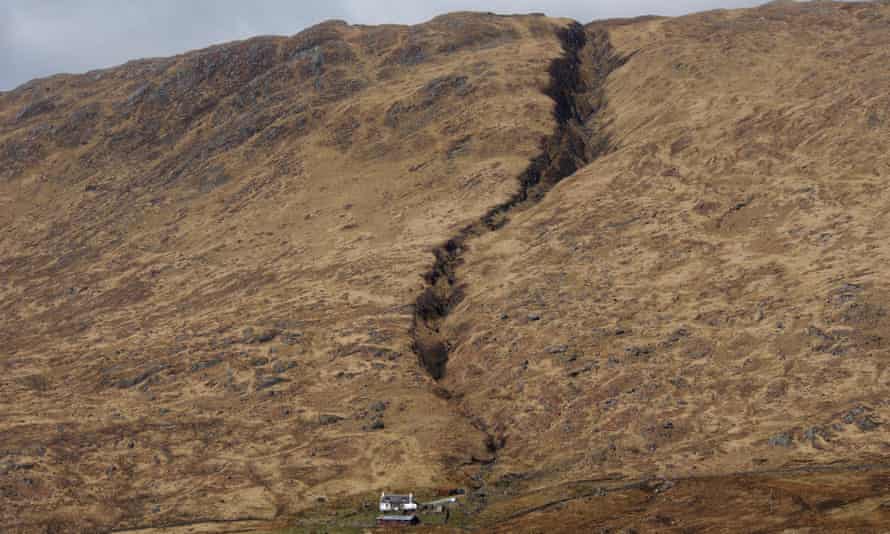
577 87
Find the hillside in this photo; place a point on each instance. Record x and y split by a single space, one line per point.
612 276
710 297
210 261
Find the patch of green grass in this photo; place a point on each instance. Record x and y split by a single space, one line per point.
352 515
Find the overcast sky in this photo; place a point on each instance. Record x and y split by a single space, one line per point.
42 37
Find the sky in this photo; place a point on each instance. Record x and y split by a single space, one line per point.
43 37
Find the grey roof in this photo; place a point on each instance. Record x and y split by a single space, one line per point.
396 499
446 500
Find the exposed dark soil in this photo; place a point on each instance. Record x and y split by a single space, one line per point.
577 81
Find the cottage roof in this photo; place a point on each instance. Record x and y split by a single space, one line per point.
397 499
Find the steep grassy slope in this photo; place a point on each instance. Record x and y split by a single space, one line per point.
631 276
207 266
712 296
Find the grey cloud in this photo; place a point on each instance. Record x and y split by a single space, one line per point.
43 37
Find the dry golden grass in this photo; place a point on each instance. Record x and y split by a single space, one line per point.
290 186
713 295
207 266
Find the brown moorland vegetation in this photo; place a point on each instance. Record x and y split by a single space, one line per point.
622 276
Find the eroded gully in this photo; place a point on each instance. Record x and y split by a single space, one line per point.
577 88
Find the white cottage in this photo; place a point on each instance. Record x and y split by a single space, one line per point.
397 503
